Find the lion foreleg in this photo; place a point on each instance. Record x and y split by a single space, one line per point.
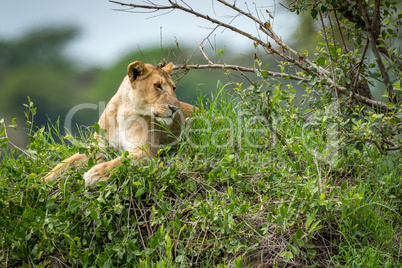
101 172
71 161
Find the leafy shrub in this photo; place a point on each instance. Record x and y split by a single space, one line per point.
255 180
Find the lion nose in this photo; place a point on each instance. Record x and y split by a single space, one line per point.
173 108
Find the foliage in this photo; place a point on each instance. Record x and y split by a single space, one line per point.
232 193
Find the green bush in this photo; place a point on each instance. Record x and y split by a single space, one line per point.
255 180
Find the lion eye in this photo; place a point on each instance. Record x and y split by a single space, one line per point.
158 86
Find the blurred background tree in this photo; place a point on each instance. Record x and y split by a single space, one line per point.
36 65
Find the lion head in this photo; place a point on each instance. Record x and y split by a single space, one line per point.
153 91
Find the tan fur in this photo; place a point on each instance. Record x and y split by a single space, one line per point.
146 93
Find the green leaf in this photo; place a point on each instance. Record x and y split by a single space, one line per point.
244 207
91 162
198 200
94 214
238 263
299 233
287 255
2 131
140 192
73 205
100 131
314 13
295 250
320 61
14 124
310 220
315 227
344 185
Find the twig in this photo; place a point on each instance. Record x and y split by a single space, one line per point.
319 172
145 219
15 146
360 63
340 32
372 103
128 219
237 68
92 239
330 60
205 55
246 77
58 260
138 226
374 203
385 50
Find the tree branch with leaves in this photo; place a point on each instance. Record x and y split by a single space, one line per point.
359 56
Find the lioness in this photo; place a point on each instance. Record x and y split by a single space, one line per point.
146 92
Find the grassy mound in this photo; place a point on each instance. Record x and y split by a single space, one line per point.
255 182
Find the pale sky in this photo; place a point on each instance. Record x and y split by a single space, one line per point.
107 34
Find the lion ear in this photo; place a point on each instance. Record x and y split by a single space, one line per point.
168 68
136 69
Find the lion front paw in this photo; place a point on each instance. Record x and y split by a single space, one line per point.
97 173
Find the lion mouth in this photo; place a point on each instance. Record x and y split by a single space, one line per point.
166 119
160 116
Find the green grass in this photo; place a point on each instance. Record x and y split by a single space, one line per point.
232 193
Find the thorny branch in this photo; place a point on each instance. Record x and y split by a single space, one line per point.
284 51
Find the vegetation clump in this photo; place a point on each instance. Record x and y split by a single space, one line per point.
233 193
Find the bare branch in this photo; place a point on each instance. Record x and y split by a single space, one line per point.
236 68
357 73
330 60
205 55
248 15
153 6
267 46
